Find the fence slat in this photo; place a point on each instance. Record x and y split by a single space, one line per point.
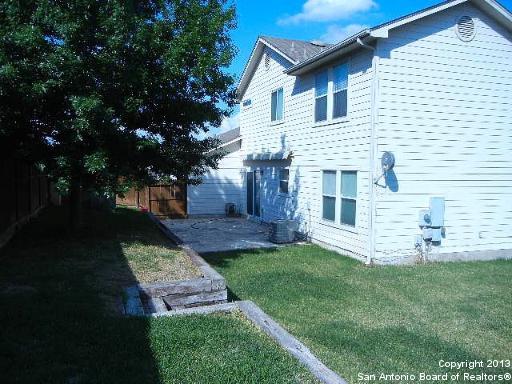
162 199
22 192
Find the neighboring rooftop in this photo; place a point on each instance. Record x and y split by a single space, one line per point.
297 50
230 135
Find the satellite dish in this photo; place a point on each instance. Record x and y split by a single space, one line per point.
387 161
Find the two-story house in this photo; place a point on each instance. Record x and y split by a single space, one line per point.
431 91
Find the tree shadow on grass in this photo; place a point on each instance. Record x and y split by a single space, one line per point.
224 259
60 297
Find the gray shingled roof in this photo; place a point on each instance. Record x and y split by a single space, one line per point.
297 50
228 136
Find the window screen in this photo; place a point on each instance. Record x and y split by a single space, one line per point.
277 102
340 85
329 195
348 197
321 83
284 176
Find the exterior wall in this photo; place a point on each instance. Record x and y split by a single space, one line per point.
445 112
219 186
331 145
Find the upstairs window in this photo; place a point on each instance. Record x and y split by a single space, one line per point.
276 113
321 84
339 91
329 195
348 197
284 177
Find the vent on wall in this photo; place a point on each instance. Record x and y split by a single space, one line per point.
465 28
267 60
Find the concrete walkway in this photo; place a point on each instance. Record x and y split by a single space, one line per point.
220 234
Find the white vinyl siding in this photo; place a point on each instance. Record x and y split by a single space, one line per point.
219 186
321 90
443 108
277 105
445 112
340 144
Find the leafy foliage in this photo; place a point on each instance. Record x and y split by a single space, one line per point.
101 90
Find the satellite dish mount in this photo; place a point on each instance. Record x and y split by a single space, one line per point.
387 163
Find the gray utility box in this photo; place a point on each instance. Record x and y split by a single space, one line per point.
437 212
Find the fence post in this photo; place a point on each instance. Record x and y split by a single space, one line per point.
39 189
29 190
16 182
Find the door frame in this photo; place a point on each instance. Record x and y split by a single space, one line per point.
255 177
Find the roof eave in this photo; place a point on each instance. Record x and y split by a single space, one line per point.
330 54
236 139
249 68
501 14
492 7
222 145
247 72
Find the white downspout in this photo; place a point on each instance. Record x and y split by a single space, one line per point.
373 154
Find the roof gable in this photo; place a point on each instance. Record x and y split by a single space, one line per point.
294 51
491 7
297 50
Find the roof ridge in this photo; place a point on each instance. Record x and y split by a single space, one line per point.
299 40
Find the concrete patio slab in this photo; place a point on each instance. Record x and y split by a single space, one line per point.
220 234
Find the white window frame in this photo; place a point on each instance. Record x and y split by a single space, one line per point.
326 95
327 195
337 214
342 197
330 95
281 120
333 92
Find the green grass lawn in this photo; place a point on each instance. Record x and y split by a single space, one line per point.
57 324
383 319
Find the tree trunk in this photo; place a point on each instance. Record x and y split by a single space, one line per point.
75 204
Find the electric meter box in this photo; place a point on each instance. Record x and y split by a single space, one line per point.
437 212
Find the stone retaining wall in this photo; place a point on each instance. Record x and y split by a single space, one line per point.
159 297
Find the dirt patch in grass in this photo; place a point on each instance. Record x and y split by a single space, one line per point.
57 292
152 263
112 251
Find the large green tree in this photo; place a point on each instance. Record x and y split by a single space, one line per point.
98 91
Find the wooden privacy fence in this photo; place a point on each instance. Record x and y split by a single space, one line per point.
23 192
162 199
